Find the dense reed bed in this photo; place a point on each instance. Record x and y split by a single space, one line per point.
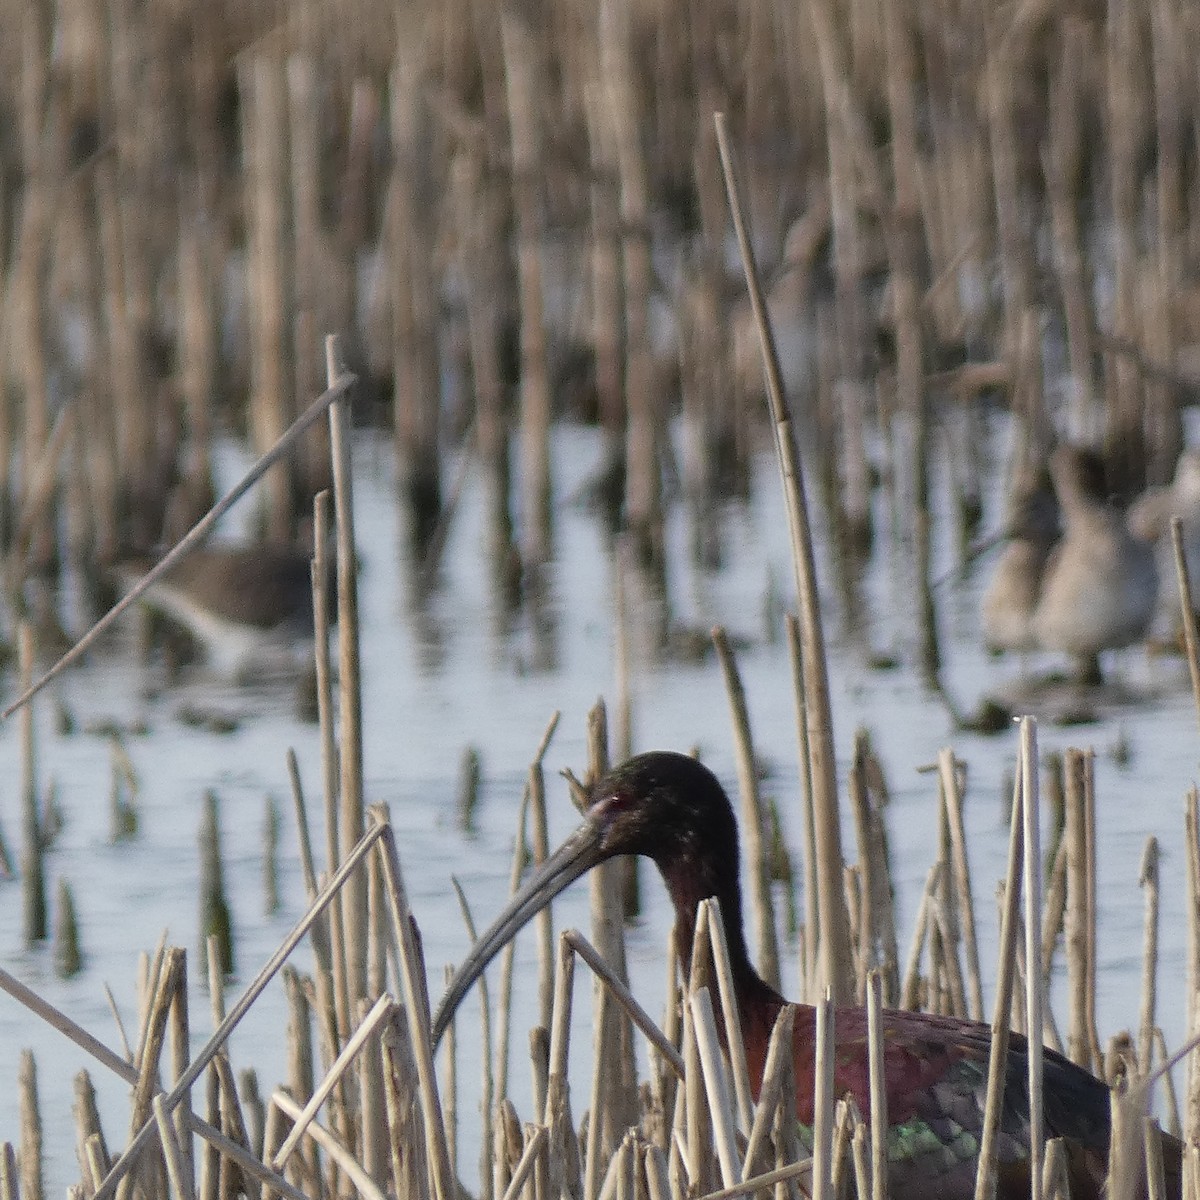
512 215
515 214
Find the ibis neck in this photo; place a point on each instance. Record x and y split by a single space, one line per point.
688 883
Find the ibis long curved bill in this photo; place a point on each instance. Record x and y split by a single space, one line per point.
575 857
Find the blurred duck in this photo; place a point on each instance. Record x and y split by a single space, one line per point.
240 602
1012 592
1150 519
1100 584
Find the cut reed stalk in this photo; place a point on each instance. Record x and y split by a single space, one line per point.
779 1051
33 864
986 1175
823 1101
952 800
878 1086
1032 886
340 1154
334 940
1075 836
417 1005
544 923
523 87
727 993
757 855
807 817
31 1127
716 1086
351 812
380 1012
1192 844
625 998
177 1172
837 964
268 269
1187 614
1148 879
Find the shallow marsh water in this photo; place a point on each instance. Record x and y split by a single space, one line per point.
454 678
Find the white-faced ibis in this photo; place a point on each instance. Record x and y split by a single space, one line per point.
1101 583
673 810
1150 519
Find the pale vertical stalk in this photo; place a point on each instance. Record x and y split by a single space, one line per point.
1055 907
329 756
560 1029
352 819
539 1061
608 936
1191 638
1030 811
865 920
1125 1152
698 1122
31 1127
1079 1048
413 978
521 70
757 854
177 1172
860 1149
544 921
372 1104
1191 1127
504 1016
643 503
809 845
837 964
729 1010
180 1054
823 1102
846 1119
878 1081
623 722
1156 1185
262 83
716 1086
412 239
379 1013
986 1172
487 1081
592 1158
1093 957
1170 1098
909 985
961 875
1055 1184
779 1051
10 1175
1149 881
33 876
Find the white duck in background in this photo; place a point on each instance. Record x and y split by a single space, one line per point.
1150 519
1100 584
1012 592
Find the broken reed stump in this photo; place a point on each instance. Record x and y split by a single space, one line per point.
33 868
270 855
216 920
68 958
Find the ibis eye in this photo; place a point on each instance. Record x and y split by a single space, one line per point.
612 804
